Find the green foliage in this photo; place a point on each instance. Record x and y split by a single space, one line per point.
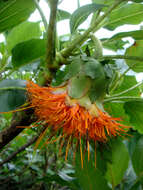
23 32
78 86
81 14
119 163
135 112
127 14
137 35
14 12
62 15
12 94
23 57
27 52
136 50
137 158
89 177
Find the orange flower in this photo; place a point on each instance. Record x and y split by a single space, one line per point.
75 122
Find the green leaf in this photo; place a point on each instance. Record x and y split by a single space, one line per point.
81 14
126 14
114 45
89 177
78 86
68 72
117 110
135 50
62 15
13 12
23 32
73 69
94 69
137 157
12 94
137 35
127 83
119 162
27 52
135 111
108 2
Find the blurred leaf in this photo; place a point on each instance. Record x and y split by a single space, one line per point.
62 15
126 14
27 52
89 177
11 96
135 50
78 86
137 158
119 163
137 35
13 12
135 111
93 69
81 14
23 32
137 1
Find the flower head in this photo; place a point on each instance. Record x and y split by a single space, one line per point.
67 115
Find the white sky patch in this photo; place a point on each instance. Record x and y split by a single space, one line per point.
2 38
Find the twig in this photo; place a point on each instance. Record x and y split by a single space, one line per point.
14 154
19 119
41 14
128 90
50 55
67 51
128 98
136 58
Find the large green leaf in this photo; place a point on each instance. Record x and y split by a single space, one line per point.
12 94
23 32
78 86
127 14
81 14
127 83
135 50
62 15
137 35
119 162
94 69
13 12
117 110
89 177
137 157
135 111
28 51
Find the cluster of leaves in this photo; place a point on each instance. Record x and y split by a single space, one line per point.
120 161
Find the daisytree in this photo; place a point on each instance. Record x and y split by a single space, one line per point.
71 116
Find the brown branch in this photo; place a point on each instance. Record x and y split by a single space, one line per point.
14 154
50 55
19 119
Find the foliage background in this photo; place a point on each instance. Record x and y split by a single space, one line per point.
22 57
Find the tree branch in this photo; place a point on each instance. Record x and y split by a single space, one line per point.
19 119
136 58
67 51
50 55
13 155
41 14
